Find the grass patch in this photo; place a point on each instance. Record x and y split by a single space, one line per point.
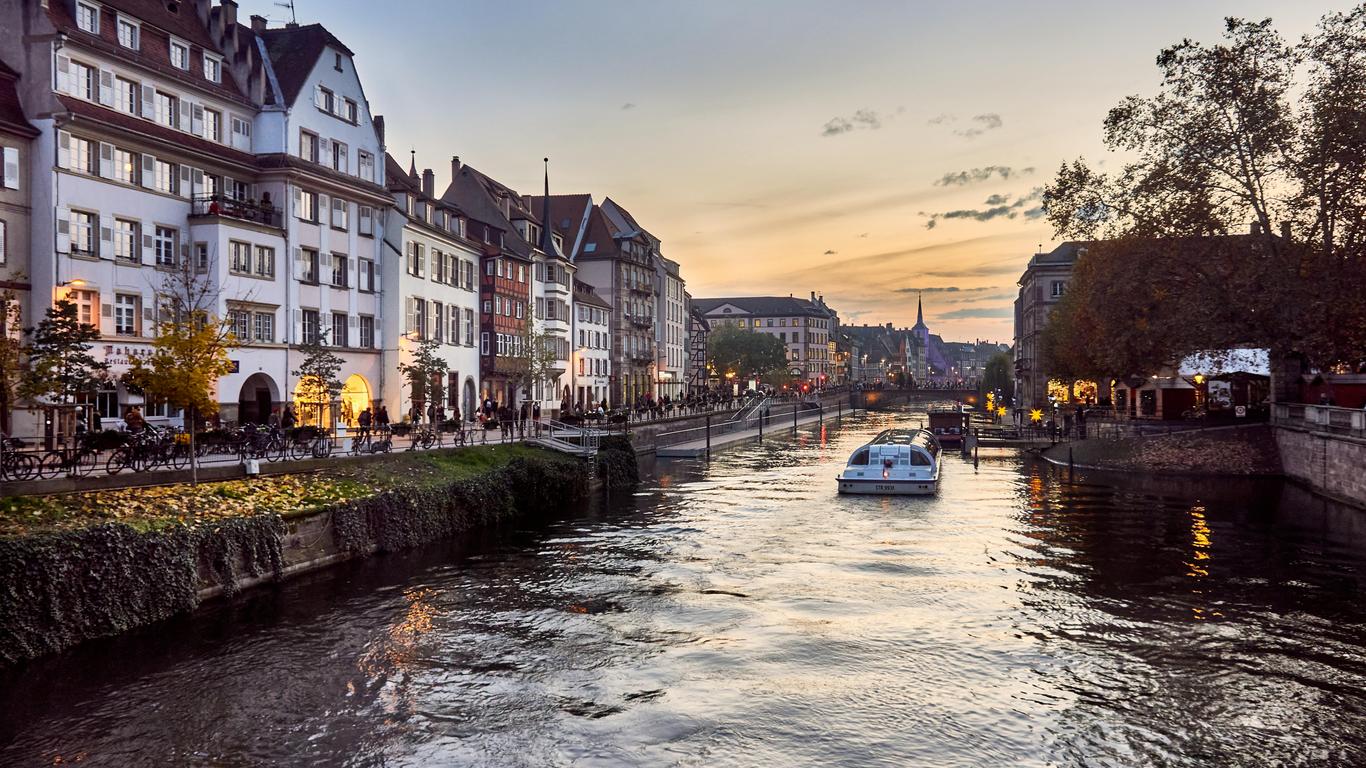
290 495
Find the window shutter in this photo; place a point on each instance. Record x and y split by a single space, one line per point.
322 208
184 253
300 268
149 171
296 331
106 160
63 230
353 321
11 168
107 87
324 262
185 181
197 176
107 237
106 310
298 202
409 314
197 120
429 316
325 152
148 244
318 96
149 108
64 74
184 115
63 149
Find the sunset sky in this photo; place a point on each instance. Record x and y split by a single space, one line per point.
862 150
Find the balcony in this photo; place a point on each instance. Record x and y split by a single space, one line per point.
641 357
231 208
640 321
643 287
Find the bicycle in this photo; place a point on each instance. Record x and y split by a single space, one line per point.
306 445
15 464
73 461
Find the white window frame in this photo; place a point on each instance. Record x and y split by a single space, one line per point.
132 309
135 39
165 248
128 232
184 62
88 15
213 68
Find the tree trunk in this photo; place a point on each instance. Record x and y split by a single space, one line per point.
194 460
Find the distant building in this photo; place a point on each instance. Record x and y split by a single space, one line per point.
1041 286
699 334
592 367
804 326
16 135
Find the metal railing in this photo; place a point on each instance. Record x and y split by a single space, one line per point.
569 438
757 414
244 210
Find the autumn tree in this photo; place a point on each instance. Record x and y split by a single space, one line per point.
425 372
533 358
318 372
731 350
61 366
1253 137
998 375
11 355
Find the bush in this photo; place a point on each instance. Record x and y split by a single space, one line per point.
617 462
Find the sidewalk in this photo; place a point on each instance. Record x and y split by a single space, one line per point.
775 426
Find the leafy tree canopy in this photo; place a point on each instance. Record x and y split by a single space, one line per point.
61 365
746 353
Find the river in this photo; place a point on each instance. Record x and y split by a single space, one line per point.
739 612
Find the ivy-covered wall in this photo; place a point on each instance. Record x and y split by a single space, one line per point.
59 589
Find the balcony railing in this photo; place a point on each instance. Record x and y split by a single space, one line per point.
642 286
232 208
640 321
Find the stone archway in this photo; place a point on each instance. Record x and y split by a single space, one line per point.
257 399
355 397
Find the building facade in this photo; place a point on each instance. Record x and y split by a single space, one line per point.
804 326
592 367
1042 285
16 137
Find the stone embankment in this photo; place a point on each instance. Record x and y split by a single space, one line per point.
1245 451
79 566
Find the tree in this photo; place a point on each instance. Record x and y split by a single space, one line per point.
60 364
318 372
425 372
998 375
1249 131
731 350
534 358
190 352
11 355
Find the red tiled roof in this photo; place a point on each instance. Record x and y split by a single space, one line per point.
154 45
84 110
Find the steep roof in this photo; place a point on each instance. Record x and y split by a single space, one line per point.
764 305
566 215
294 51
586 294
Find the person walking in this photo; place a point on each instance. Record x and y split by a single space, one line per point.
134 420
536 417
363 421
382 417
287 418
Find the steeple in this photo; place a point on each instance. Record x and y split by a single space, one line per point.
412 166
919 314
547 241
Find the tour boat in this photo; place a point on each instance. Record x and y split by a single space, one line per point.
949 424
898 462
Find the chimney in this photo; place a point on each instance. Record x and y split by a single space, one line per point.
258 24
428 182
455 167
813 297
229 13
378 122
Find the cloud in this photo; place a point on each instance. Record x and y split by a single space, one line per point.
977 313
831 253
945 289
628 105
869 119
940 119
863 234
988 121
997 207
958 178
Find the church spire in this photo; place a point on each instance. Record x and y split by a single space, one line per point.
412 164
919 309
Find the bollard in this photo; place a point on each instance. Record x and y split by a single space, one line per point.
762 415
709 435
794 418
1071 468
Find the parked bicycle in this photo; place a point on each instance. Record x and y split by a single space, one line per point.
310 442
14 463
368 441
77 460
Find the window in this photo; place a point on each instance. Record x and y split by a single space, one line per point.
201 257
239 320
417 258
366 270
340 333
366 220
351 112
308 146
265 327
83 159
484 343
488 267
241 257
164 244
521 273
308 205
213 125
340 155
309 265
213 68
419 319
340 211
126 314
88 17
87 306
4 247
167 109
326 100
265 261
438 266
366 164
127 235
311 328
241 134
83 226
339 270
127 166
167 178
180 54
469 327
1059 288
453 313
128 96
439 317
488 307
128 33
367 331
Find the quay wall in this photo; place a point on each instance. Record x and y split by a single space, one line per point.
61 589
645 437
1330 464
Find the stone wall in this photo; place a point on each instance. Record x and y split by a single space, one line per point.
1333 465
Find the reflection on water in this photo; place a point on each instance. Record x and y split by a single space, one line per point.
741 613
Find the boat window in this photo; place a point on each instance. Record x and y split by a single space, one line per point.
919 459
860 457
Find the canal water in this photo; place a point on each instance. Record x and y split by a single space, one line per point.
739 613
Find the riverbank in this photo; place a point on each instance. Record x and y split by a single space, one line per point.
84 565
1228 451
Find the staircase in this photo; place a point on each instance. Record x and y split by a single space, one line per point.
567 438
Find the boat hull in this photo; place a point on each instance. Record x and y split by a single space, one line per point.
880 487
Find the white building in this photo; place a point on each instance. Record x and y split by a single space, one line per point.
433 288
591 371
320 152
671 330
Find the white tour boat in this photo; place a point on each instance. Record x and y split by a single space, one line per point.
897 462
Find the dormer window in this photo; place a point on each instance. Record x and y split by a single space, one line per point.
88 17
129 33
213 68
180 54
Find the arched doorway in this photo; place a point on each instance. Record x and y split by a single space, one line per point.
468 404
256 399
355 397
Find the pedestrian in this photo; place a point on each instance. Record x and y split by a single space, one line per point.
523 414
363 421
287 418
134 420
274 419
536 417
382 417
